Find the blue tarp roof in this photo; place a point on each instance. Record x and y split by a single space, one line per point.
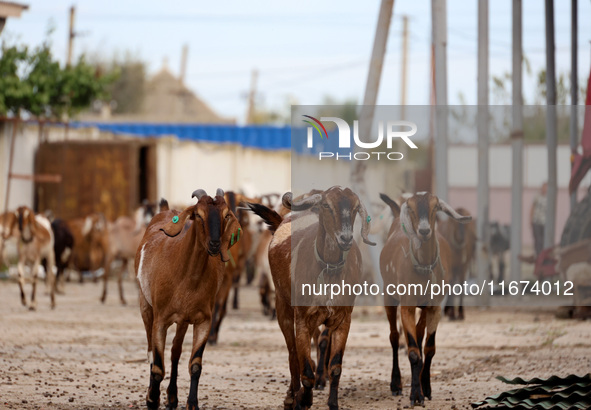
254 136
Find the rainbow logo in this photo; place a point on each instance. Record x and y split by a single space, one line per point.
316 126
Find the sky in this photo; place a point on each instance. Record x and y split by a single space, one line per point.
303 51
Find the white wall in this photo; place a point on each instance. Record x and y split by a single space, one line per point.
21 191
185 166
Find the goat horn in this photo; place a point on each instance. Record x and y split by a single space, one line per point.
305 203
199 193
286 200
219 192
364 224
445 207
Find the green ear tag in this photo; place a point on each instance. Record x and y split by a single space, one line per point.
238 236
232 240
368 219
404 228
175 219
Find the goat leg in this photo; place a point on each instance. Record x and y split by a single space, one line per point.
120 280
395 382
304 398
322 347
337 350
157 366
432 319
285 319
200 334
172 400
35 272
21 280
407 314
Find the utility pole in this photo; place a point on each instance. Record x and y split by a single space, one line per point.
184 57
483 136
439 17
367 114
250 112
551 130
517 143
574 125
71 36
404 69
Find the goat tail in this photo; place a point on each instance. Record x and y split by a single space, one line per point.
271 218
163 205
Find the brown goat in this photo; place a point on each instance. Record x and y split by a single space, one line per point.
92 249
35 243
323 251
125 235
462 242
415 253
179 268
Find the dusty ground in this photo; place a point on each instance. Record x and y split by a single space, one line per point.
85 355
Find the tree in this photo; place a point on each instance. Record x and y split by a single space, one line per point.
32 83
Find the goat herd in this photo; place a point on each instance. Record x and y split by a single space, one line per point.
187 262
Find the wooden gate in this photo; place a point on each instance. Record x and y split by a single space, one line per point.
111 177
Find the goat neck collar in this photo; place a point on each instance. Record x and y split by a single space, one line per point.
424 269
329 268
27 241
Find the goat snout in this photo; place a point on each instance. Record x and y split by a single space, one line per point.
345 240
214 246
425 232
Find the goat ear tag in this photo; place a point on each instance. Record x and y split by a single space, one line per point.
177 223
368 219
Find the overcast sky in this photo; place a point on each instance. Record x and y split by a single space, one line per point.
303 50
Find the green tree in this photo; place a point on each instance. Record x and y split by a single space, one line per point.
33 83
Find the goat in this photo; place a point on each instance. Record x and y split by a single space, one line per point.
62 249
321 240
35 243
92 249
415 253
179 268
462 241
125 235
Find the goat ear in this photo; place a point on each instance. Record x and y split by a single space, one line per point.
445 207
230 236
9 224
177 222
39 230
33 223
365 219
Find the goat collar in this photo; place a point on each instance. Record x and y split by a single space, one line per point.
329 268
424 269
27 241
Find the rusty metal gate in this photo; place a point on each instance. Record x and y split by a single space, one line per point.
111 177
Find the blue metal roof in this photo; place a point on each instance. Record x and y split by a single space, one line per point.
265 137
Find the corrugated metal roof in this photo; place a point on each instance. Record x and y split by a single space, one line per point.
554 393
265 137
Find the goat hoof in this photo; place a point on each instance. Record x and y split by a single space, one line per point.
397 392
319 386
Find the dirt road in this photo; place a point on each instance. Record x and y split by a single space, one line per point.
84 355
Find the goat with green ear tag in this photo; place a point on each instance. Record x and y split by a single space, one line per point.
179 267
